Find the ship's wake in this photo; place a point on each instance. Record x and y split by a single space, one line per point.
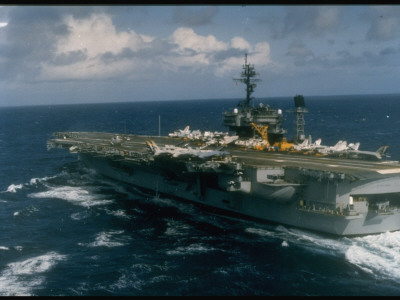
377 255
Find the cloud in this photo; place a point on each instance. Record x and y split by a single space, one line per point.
187 40
83 52
93 49
194 16
240 43
384 29
258 55
64 47
28 39
304 21
299 50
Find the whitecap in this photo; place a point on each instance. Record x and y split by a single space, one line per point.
118 213
176 228
259 231
4 248
191 249
107 239
74 195
79 215
33 181
20 278
14 187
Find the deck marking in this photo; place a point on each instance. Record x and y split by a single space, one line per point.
389 171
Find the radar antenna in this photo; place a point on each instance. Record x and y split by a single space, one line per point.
247 77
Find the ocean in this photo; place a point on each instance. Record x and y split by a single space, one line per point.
67 231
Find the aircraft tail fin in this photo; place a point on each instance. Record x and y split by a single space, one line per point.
382 150
153 146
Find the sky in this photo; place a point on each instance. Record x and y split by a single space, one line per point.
98 54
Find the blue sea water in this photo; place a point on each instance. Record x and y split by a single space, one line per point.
65 230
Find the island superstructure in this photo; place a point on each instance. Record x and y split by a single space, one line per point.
256 172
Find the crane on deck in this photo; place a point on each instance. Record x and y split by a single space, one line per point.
263 131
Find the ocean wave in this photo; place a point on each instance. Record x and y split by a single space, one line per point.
74 195
12 188
260 232
314 242
139 275
192 249
118 213
27 211
376 254
20 278
176 228
80 215
112 238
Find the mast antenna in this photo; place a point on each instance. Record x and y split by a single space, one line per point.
247 77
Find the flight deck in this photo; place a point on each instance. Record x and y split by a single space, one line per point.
134 145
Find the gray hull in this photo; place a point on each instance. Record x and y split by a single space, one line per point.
302 200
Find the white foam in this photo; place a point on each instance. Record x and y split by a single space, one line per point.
377 254
74 195
34 181
20 278
107 239
4 248
79 215
259 231
191 249
14 187
176 228
118 213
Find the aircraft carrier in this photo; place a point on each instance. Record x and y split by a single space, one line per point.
255 172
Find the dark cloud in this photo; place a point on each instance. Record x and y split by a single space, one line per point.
30 37
303 21
384 29
69 58
344 59
225 54
383 21
110 57
389 51
194 16
155 49
32 33
299 50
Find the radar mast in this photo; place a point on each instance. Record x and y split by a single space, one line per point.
247 77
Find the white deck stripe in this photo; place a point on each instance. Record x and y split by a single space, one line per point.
389 171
